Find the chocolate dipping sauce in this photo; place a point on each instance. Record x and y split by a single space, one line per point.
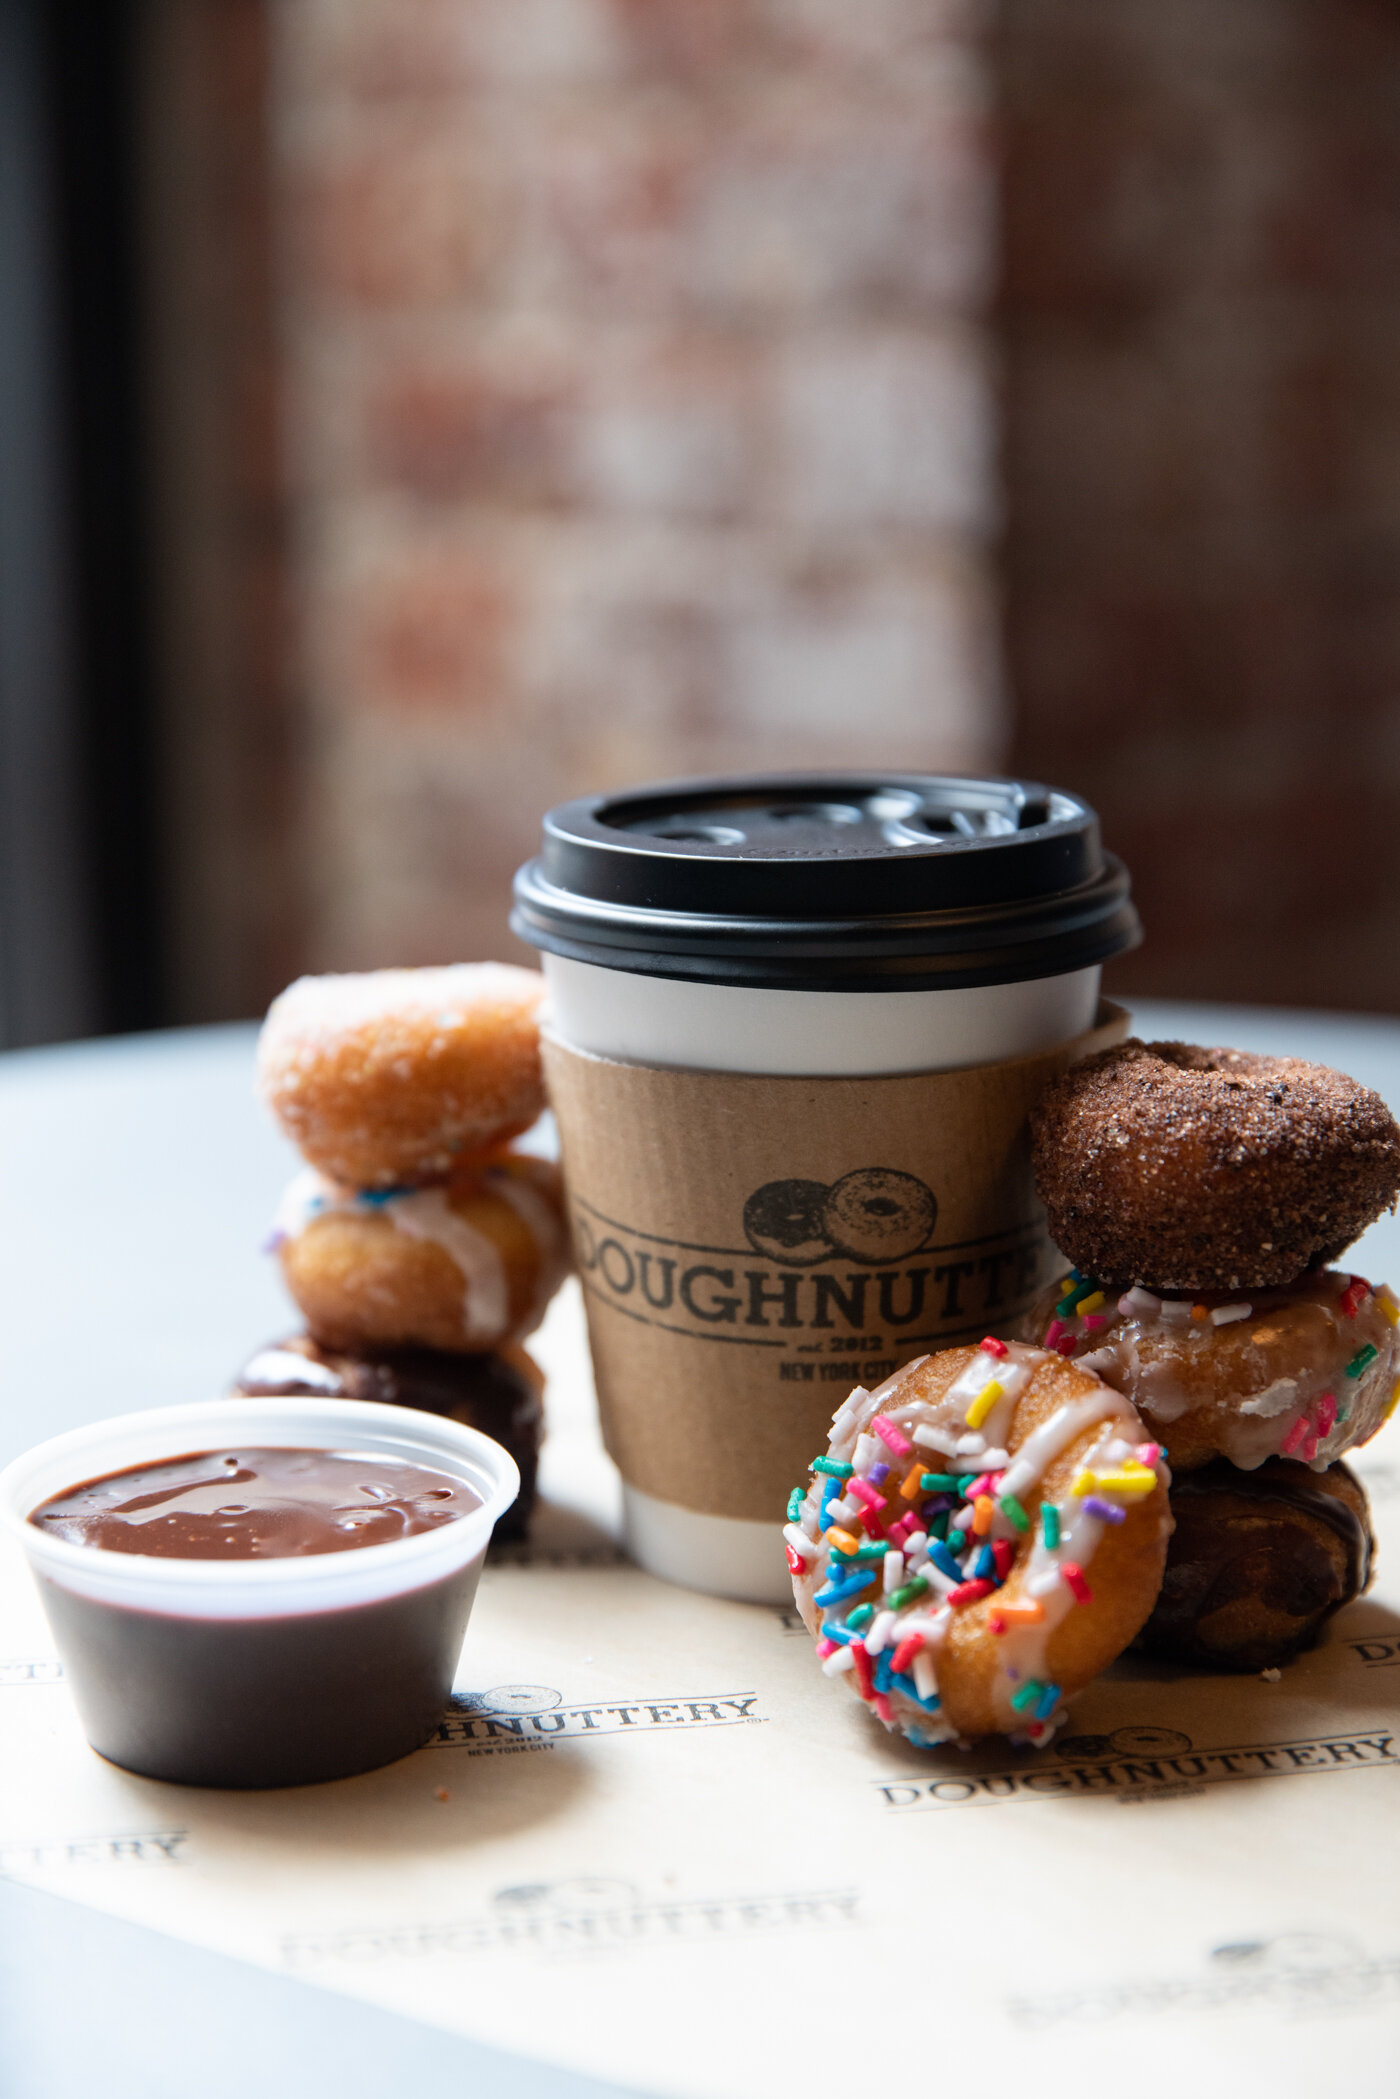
261 1700
499 1393
256 1505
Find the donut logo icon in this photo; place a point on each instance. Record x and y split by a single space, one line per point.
879 1215
875 1214
587 1891
1298 1951
1124 1741
506 1698
1150 1741
784 1220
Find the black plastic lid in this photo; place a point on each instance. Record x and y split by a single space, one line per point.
859 881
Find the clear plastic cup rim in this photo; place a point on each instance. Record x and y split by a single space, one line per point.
257 1588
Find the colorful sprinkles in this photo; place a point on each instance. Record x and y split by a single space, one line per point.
896 1551
1082 1322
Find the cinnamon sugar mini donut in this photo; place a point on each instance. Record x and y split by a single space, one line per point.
1306 1373
985 1534
1258 1562
465 1266
1208 1169
396 1077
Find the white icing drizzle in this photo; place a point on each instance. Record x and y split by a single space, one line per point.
425 1213
1022 1648
1054 1437
545 1227
943 1427
1160 1355
847 1423
279 1366
1279 1398
884 1391
420 1213
306 1196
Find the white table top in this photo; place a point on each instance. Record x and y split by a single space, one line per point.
141 1176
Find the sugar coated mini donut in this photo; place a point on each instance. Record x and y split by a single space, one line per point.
1305 1373
465 1266
1207 1169
985 1534
394 1078
1258 1562
501 1394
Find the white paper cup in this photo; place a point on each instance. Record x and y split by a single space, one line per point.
260 1672
727 1027
821 928
846 1034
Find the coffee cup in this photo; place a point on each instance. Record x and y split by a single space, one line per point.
794 1026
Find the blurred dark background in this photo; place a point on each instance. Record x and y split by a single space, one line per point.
80 872
415 411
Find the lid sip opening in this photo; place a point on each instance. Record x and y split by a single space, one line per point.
857 881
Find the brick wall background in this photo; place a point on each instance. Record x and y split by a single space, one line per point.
638 417
637 364
1201 327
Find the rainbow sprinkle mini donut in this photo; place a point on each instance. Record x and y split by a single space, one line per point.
397 1077
986 1533
1306 1373
466 1266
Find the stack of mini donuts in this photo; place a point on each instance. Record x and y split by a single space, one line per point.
992 1527
419 1244
1203 1196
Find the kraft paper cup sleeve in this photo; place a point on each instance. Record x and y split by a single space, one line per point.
753 1246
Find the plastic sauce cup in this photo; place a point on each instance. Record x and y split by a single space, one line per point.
271 1672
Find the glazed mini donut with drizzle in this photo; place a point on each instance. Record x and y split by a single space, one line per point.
986 1532
1306 1373
465 1266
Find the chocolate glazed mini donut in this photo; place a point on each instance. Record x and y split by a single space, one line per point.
397 1077
1305 1373
1190 1169
1258 1562
461 1267
986 1533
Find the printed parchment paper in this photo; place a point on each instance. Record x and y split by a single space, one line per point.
654 1843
